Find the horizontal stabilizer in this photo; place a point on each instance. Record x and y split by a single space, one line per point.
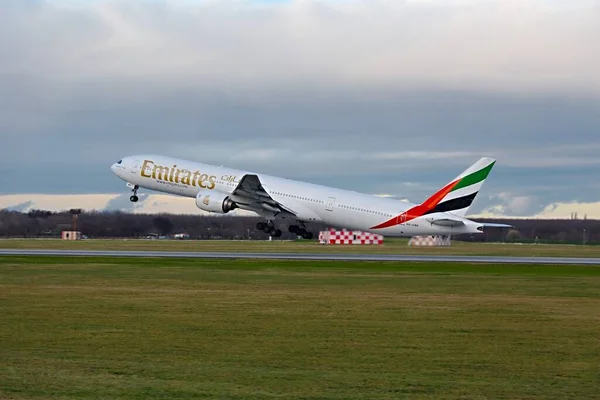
493 225
446 222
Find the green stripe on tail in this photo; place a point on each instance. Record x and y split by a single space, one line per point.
475 177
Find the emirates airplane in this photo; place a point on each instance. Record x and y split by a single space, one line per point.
221 190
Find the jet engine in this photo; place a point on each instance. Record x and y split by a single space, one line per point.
215 202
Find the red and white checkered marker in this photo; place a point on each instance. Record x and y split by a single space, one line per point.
349 237
429 241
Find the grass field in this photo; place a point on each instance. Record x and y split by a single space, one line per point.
390 246
104 328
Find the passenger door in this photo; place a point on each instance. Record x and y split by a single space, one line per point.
329 203
135 167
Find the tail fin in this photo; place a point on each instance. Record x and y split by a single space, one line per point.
458 195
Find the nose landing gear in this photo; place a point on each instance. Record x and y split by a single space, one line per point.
134 198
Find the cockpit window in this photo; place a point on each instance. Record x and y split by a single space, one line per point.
120 161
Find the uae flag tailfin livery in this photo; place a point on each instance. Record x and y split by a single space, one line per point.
455 198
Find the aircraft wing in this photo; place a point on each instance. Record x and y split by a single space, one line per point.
251 192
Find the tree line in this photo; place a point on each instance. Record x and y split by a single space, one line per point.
114 224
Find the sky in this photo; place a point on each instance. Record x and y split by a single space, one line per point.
387 97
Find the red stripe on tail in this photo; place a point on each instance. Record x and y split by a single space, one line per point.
419 210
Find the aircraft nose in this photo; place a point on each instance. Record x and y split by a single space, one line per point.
117 167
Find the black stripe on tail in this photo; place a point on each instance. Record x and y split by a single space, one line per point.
455 204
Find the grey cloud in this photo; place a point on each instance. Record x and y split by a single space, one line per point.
517 46
361 147
122 203
361 95
21 207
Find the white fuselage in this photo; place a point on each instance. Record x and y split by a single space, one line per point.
312 203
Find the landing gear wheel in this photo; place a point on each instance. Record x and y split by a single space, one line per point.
261 226
275 232
300 230
134 197
307 235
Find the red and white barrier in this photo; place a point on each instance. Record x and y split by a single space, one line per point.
349 237
430 241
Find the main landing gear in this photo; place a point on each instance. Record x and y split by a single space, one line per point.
268 227
300 231
134 198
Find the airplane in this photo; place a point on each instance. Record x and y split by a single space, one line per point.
220 190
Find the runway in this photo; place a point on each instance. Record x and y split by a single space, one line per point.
305 256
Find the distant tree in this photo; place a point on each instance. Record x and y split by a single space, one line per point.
163 224
513 235
39 214
116 224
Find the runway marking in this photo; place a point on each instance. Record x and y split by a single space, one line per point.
305 256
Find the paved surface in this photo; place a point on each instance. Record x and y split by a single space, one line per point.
307 256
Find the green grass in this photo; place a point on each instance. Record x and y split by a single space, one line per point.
390 246
104 328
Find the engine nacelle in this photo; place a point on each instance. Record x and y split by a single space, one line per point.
215 202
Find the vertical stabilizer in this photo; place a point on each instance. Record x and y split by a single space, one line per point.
458 195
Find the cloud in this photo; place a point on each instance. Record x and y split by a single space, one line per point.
363 95
518 207
20 207
27 202
513 205
148 203
565 210
511 45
